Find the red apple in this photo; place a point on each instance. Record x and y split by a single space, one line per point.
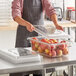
40 50
50 54
61 46
63 41
33 48
52 47
45 40
59 52
33 41
36 45
43 46
65 51
47 51
57 47
53 53
35 38
53 40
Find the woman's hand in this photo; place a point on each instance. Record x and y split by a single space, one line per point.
54 19
25 23
59 27
30 27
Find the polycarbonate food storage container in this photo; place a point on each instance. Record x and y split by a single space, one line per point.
49 47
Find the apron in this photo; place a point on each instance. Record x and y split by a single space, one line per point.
33 13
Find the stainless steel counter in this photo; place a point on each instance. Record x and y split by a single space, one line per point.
61 61
7 67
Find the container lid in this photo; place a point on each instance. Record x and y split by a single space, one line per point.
59 34
45 31
56 35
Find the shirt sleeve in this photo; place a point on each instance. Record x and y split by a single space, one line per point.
49 10
16 8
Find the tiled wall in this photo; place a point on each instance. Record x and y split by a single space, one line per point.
5 12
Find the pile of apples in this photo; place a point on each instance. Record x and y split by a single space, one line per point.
49 47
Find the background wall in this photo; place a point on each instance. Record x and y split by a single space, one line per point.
67 3
7 39
5 13
59 3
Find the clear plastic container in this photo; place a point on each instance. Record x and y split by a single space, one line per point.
50 47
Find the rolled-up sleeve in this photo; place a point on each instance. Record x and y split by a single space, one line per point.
49 10
16 8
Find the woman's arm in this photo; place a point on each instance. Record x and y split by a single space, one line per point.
54 19
49 10
25 23
17 15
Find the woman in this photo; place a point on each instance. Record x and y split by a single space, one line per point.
28 13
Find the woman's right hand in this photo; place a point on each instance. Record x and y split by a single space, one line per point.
23 22
30 27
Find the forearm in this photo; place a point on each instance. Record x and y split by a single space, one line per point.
21 21
54 19
25 23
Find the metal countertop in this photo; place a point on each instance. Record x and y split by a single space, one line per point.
7 67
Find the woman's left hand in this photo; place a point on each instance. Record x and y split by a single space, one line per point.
59 27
